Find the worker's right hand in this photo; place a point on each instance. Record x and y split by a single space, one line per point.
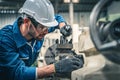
68 65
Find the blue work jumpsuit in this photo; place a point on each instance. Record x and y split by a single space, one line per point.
17 55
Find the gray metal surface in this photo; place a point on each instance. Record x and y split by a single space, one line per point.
98 68
57 52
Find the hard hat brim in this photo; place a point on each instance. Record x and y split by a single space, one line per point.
50 24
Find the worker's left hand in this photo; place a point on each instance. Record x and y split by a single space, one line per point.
61 21
66 30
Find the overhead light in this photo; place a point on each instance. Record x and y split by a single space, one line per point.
7 11
1 0
68 1
75 1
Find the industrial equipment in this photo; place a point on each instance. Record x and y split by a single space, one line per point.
104 33
60 50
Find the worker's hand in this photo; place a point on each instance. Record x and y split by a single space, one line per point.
66 30
80 57
68 65
61 21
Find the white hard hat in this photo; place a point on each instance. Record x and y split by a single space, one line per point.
41 10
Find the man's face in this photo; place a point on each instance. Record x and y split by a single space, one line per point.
42 31
37 31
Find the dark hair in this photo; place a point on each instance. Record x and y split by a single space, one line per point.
34 22
20 21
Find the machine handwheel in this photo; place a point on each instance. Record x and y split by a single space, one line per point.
110 47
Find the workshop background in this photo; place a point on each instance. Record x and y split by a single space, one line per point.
82 9
77 14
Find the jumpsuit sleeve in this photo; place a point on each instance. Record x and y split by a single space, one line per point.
59 19
11 67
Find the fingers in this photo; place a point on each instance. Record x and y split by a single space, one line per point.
77 62
80 57
75 67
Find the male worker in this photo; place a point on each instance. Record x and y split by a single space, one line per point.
20 43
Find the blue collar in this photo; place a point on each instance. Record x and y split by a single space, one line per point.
19 39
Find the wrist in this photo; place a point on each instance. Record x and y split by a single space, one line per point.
54 68
62 24
45 71
57 67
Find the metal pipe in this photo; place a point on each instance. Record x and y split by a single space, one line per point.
71 10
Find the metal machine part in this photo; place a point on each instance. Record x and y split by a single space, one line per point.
97 68
106 35
58 52
54 53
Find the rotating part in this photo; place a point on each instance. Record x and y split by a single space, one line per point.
106 38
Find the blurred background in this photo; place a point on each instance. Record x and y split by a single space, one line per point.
74 11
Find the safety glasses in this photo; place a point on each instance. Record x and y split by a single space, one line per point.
38 25
34 22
